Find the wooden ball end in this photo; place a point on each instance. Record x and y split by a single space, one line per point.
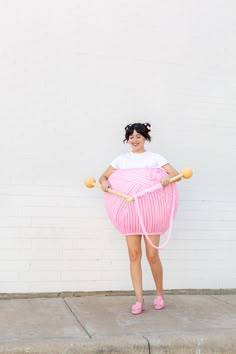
89 182
187 172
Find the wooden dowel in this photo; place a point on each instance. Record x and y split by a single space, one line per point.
110 190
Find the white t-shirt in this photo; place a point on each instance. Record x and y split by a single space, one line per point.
144 159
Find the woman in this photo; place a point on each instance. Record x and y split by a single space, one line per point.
136 135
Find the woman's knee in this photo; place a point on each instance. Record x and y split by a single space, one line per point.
153 257
134 247
135 255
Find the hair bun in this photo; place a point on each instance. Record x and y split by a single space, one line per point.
128 126
147 126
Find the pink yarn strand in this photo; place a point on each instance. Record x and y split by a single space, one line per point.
143 227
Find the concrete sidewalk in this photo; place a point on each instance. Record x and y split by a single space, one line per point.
198 324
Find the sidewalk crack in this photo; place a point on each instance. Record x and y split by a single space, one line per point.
149 347
81 325
224 301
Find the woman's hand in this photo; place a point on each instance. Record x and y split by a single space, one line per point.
103 180
165 181
105 185
171 172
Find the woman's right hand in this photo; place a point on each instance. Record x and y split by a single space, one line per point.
103 180
105 186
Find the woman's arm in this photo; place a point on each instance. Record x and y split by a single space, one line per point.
171 173
103 180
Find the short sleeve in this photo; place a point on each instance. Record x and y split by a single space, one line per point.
160 160
116 163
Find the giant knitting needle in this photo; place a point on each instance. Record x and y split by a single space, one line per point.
90 182
186 172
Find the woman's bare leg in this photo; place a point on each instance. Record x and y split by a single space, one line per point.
155 263
135 255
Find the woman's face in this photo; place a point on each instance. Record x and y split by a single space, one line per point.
137 142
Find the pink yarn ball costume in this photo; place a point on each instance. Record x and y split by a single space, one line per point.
153 208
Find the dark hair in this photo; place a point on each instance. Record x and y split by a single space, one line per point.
141 128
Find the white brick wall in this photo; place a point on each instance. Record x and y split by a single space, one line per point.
72 75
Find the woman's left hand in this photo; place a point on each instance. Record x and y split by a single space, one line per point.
171 172
165 181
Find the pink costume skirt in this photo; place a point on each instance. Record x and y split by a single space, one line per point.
153 208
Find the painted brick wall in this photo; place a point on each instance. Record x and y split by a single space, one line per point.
72 75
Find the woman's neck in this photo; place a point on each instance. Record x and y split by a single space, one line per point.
139 151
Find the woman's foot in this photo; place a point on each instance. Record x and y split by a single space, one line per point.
137 308
159 302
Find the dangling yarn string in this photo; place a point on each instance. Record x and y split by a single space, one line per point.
141 220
